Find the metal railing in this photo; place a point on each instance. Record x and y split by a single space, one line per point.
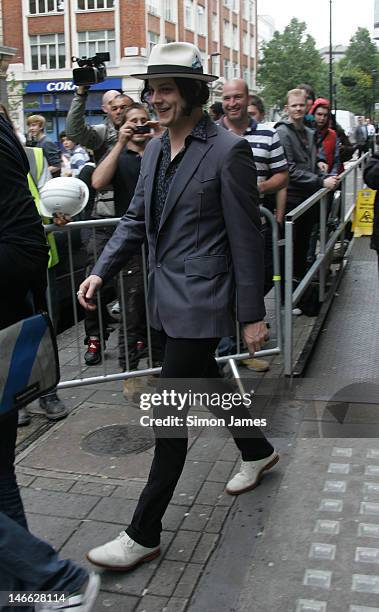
106 376
326 242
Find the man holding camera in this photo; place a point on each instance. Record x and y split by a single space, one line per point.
99 138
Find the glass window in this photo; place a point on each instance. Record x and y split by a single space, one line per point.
189 15
90 5
200 26
38 7
47 51
97 41
170 10
215 27
252 46
153 7
236 42
152 39
245 43
227 34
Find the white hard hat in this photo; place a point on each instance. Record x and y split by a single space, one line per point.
64 194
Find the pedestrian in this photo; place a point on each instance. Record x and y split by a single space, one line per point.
26 563
300 149
327 144
215 111
121 167
272 171
37 138
98 138
371 178
76 155
361 136
196 202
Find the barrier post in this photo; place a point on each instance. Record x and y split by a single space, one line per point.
288 267
322 271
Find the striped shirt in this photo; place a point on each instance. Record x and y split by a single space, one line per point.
266 148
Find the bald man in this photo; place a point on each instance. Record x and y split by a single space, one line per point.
99 138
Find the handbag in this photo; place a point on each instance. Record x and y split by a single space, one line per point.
29 365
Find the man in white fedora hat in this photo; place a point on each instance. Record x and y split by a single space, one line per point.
196 203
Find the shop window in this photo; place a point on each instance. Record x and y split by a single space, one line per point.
93 5
47 51
38 7
97 41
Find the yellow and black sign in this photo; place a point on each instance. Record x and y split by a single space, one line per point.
364 213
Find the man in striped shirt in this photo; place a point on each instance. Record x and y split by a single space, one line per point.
271 164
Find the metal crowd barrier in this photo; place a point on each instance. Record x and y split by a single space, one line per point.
106 376
327 243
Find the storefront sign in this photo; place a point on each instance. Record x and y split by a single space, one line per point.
68 86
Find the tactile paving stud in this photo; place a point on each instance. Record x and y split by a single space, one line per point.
322 551
366 555
369 508
327 527
310 605
317 578
339 468
365 583
368 530
335 486
331 505
342 452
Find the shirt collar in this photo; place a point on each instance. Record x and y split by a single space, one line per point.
199 132
249 130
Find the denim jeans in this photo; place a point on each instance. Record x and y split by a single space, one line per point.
30 564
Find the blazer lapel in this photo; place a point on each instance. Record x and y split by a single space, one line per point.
187 168
149 183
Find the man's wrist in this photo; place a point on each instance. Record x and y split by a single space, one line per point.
251 322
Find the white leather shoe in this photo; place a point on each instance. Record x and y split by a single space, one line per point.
122 554
250 474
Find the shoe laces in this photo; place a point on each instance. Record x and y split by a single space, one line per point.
125 540
94 345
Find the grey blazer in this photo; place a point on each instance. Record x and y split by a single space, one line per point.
209 247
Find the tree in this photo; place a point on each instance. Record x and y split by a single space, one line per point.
288 59
360 62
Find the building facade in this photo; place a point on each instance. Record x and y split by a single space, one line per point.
48 33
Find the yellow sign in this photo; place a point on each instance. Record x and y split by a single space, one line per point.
364 213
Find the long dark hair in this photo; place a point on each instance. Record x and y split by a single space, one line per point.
195 93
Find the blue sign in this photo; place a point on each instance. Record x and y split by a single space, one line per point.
69 87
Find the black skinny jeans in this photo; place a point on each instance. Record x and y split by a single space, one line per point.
186 359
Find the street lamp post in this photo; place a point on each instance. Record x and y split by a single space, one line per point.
330 55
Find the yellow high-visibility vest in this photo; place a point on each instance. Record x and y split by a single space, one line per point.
33 182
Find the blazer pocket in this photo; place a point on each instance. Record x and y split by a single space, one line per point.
207 266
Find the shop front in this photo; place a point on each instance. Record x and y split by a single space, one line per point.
52 99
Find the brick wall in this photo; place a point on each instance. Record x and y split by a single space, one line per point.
12 27
95 21
46 25
132 24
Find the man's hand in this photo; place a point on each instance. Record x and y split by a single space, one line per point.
126 132
255 335
60 218
87 291
322 166
331 182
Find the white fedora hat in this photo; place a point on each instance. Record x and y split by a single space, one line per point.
177 59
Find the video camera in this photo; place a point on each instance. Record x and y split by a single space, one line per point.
91 69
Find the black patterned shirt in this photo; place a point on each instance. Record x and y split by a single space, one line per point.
166 169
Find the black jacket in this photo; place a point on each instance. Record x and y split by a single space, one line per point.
371 178
302 159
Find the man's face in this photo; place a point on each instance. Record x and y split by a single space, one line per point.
254 113
321 117
117 110
138 116
67 143
295 108
235 101
34 129
166 100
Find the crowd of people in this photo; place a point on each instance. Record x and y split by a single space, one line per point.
188 190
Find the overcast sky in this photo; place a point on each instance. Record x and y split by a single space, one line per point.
347 17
